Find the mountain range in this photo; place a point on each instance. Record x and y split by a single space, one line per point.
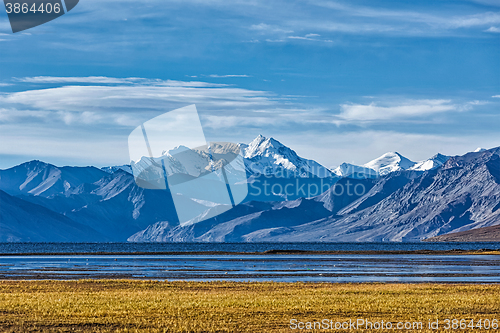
388 199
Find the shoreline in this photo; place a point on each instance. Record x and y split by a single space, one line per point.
268 252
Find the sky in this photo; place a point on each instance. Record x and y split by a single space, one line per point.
337 81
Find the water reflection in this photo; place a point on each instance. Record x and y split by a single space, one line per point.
329 268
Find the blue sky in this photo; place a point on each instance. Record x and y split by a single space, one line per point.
337 81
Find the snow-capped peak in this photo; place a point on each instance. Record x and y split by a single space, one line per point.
262 145
431 163
347 169
390 162
269 156
479 150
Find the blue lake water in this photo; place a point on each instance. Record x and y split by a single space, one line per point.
81 260
232 247
329 268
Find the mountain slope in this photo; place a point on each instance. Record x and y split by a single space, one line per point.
112 169
21 221
42 179
246 221
462 195
125 208
402 206
110 204
487 234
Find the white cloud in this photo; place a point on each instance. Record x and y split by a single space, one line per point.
377 20
496 96
481 19
89 79
90 122
127 104
114 80
311 37
222 106
229 75
493 29
405 109
266 28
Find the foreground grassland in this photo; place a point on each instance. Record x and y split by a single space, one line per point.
149 306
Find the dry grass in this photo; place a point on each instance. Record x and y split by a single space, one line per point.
150 306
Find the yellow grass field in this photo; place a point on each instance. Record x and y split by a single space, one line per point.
151 306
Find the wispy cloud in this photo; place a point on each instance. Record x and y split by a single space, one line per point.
311 37
476 20
89 122
493 29
376 111
115 81
125 102
356 19
129 101
494 3
84 122
446 19
228 75
89 79
496 96
267 28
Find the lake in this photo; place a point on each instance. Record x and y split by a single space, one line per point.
80 261
6 248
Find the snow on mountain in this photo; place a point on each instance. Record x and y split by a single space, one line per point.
354 171
262 156
432 163
112 169
45 202
268 156
182 161
389 162
43 179
479 150
461 195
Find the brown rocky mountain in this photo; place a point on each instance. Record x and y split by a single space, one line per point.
487 234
